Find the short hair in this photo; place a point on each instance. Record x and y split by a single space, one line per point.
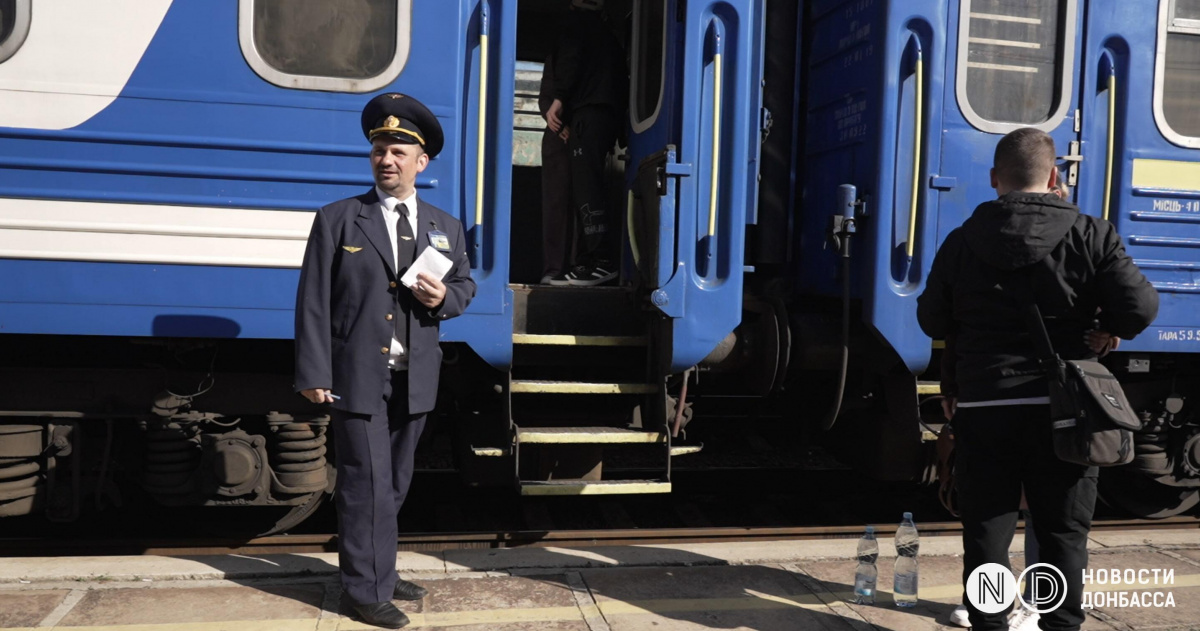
1024 158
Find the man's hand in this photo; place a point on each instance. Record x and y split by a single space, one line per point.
1101 342
565 134
428 290
554 116
317 395
949 405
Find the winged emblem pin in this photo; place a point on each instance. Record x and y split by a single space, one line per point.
351 248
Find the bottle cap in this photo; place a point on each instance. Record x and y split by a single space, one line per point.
908 515
870 530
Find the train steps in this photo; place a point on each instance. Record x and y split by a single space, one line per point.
587 414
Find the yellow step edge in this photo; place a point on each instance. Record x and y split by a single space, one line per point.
603 487
489 452
684 450
572 387
587 436
579 340
929 387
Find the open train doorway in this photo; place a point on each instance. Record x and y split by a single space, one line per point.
550 233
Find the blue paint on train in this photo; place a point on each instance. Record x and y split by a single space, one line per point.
195 126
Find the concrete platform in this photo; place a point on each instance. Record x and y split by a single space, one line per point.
759 586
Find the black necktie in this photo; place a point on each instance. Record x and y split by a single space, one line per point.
406 245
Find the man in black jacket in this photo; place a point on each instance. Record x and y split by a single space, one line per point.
1027 242
590 82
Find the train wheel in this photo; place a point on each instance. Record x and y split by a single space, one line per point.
1143 497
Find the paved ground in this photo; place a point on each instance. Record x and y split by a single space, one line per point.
759 586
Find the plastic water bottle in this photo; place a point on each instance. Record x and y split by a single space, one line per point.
906 578
865 575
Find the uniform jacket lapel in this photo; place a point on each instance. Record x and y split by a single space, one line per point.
370 222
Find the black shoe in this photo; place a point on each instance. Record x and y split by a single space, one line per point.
558 280
408 591
591 275
383 614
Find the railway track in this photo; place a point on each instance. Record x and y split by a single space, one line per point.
433 542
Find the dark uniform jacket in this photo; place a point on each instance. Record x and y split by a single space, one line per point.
1073 266
348 288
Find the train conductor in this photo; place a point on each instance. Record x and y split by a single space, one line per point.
368 345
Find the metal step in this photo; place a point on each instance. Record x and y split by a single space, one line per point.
929 387
579 340
683 450
586 436
573 387
601 487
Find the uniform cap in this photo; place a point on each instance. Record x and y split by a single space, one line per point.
403 118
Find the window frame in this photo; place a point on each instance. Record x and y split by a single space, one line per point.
1067 92
22 9
635 69
1167 23
329 84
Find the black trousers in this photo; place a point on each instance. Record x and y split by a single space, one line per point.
999 450
557 211
374 471
593 133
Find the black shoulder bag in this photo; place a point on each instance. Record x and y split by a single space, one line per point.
1092 421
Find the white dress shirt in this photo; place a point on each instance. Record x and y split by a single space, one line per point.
397 357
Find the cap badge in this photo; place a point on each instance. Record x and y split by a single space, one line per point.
391 122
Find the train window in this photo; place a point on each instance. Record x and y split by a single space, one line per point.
649 61
1177 72
344 46
1014 60
14 26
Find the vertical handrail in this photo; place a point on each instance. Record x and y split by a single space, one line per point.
718 44
1112 128
483 88
919 86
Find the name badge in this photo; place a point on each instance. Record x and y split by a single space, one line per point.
439 240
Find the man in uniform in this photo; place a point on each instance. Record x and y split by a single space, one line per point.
368 345
1028 242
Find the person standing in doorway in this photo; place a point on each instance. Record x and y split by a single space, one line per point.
590 83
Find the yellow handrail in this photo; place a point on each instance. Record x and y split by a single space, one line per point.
479 150
1112 126
916 177
716 146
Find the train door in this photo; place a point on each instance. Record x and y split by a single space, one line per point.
1141 138
695 104
1011 65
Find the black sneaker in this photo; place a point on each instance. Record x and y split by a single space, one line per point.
590 276
559 280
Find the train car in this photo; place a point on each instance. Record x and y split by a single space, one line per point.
788 172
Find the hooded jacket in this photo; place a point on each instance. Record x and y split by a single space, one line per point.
1029 245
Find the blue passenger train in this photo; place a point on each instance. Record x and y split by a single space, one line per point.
787 172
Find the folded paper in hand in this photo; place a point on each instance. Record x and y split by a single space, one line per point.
432 262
